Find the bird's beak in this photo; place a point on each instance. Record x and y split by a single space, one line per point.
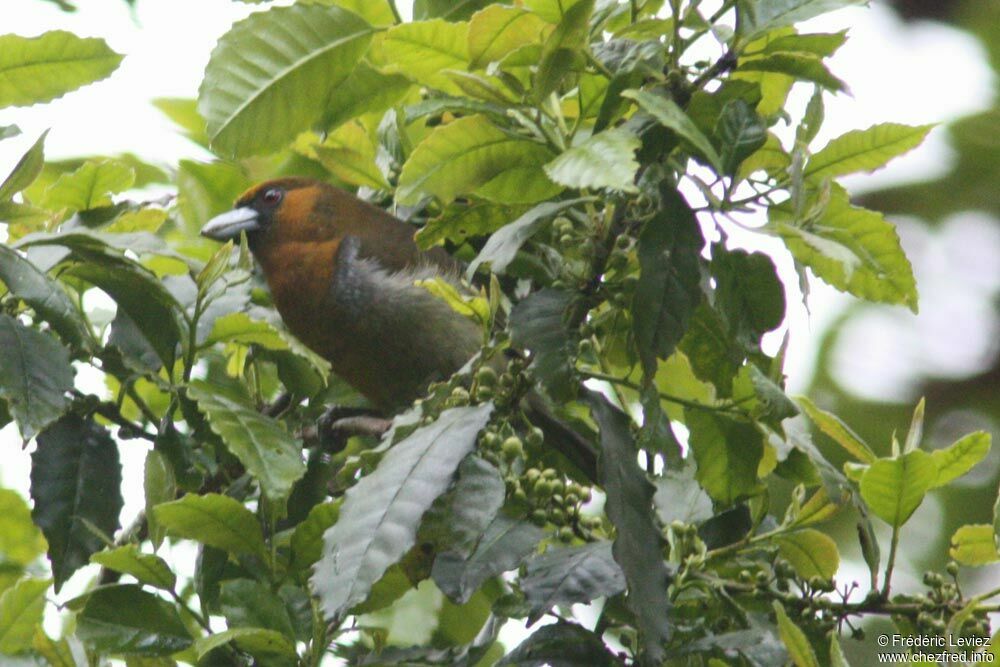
229 225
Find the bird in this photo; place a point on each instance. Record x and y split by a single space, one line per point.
343 275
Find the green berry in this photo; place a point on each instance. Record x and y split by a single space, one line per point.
535 437
539 517
486 376
531 475
623 242
512 448
566 534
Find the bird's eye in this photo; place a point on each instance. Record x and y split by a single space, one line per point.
272 196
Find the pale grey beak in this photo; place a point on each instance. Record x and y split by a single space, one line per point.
229 225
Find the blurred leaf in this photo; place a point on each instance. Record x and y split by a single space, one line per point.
90 186
206 189
184 113
241 328
894 488
9 131
679 497
460 223
671 116
504 545
560 645
367 89
26 170
375 12
638 543
852 249
668 290
763 15
502 246
561 48
125 619
160 486
250 604
477 497
864 150
424 49
727 452
748 292
75 484
497 30
603 160
470 154
801 66
57 653
21 541
539 324
259 642
961 456
214 520
349 154
35 375
47 297
740 132
799 648
841 433
713 354
307 540
143 220
811 553
570 575
819 44
379 518
21 609
975 545
147 568
270 76
262 445
39 69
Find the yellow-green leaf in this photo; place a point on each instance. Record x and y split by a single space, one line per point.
799 649
498 30
21 608
811 553
841 433
864 150
895 487
960 457
90 186
974 544
424 49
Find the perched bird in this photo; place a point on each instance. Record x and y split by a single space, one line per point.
342 275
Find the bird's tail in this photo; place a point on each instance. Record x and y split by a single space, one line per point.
577 449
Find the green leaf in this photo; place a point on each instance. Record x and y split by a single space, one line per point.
477 497
349 154
501 248
818 44
852 249
462 222
375 12
366 90
975 545
671 116
728 453
75 485
679 497
668 290
267 450
9 131
160 486
241 328
504 546
149 569
841 433
714 355
539 324
759 16
603 160
21 541
561 48
961 456
127 620
271 75
35 375
894 488
801 66
811 553
469 154
250 604
454 10
215 520
205 190
184 113
740 132
748 292
497 31
21 609
570 575
307 540
424 50
26 170
90 186
561 644
637 548
864 150
799 649
379 518
39 69
49 300
259 642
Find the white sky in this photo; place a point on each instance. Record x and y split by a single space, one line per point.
916 73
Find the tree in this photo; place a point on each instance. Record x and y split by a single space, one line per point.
574 153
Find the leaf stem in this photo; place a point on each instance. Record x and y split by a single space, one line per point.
891 564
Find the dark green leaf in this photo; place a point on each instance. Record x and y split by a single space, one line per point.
715 356
802 66
740 131
250 604
149 569
307 540
266 645
26 170
727 452
127 620
671 116
75 483
570 575
638 545
39 69
453 10
267 450
21 609
562 47
668 288
214 520
49 300
748 292
380 515
160 486
502 247
270 76
560 645
474 502
504 545
539 324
